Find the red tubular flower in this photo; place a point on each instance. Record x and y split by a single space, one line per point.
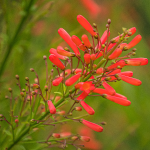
86 40
91 125
78 42
109 88
88 108
56 135
130 80
85 138
72 80
83 95
121 46
137 61
57 81
54 59
118 100
115 54
67 38
52 108
120 63
96 56
93 57
78 85
100 70
86 25
53 51
132 30
127 73
111 45
134 42
119 95
87 58
100 91
65 53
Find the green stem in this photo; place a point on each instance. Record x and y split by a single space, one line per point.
14 39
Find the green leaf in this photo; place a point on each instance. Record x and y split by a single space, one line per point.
59 93
42 102
8 133
18 147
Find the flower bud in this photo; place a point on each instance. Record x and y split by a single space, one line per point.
127 73
54 59
72 80
51 106
69 41
85 138
56 135
136 61
17 77
100 91
86 24
91 125
88 108
109 88
65 53
100 70
117 100
87 58
78 108
86 40
57 81
115 54
16 120
130 80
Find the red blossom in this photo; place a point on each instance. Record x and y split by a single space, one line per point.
57 81
109 88
87 58
86 40
54 59
51 107
93 126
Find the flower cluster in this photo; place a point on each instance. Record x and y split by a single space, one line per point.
91 76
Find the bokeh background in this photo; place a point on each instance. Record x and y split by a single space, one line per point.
25 36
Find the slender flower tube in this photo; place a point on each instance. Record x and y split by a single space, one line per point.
115 54
120 63
87 58
130 80
57 81
86 25
118 100
100 91
88 108
91 125
83 95
67 38
134 42
109 88
127 73
119 95
72 80
86 40
85 138
52 108
132 30
54 59
65 53
136 61
53 51
78 42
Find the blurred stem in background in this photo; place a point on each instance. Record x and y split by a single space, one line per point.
14 39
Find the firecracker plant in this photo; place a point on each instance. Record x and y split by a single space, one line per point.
99 63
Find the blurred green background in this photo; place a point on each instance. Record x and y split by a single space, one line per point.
28 35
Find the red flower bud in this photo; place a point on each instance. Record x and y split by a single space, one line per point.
137 61
64 53
100 91
54 59
109 88
119 95
127 73
115 54
86 24
57 81
91 125
88 108
87 58
52 108
132 30
117 100
93 56
78 108
83 95
78 42
61 112
130 80
56 135
134 42
85 138
120 63
53 51
67 38
72 80
16 120
100 70
86 40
